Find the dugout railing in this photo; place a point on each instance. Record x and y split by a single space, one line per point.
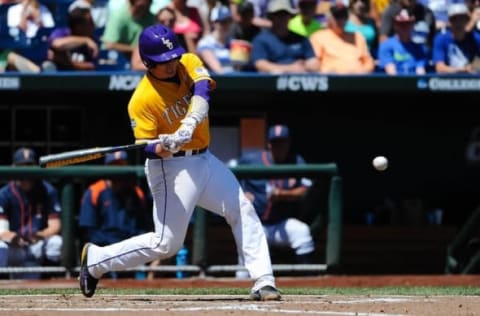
463 252
65 177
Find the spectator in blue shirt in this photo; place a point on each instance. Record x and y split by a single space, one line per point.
424 27
399 54
455 50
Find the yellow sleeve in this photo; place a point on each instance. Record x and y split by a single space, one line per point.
142 121
196 69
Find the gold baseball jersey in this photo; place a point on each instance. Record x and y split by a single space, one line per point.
157 106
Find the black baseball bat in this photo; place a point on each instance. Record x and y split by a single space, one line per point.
82 155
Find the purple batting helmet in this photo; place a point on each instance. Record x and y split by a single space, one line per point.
158 44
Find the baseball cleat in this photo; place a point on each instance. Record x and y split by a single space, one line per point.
88 283
266 293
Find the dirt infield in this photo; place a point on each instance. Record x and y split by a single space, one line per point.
233 305
236 305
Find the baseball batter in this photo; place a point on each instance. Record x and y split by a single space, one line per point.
169 108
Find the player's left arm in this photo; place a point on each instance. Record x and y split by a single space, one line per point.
202 85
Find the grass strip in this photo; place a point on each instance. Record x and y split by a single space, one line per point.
404 290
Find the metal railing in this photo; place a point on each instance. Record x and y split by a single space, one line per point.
467 231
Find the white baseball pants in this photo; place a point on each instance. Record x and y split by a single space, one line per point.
178 184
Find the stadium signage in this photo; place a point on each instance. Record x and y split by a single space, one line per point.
458 84
124 82
9 83
302 83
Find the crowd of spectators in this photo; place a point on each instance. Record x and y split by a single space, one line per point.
270 36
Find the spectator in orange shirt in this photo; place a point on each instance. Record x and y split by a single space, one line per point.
338 51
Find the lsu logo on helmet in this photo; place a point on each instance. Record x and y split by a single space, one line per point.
167 42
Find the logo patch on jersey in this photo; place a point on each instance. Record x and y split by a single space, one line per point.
167 42
133 124
202 71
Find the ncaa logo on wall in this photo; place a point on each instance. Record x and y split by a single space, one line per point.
302 83
125 82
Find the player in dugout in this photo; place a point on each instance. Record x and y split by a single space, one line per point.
30 220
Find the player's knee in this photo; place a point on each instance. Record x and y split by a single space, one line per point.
301 237
297 229
304 230
166 247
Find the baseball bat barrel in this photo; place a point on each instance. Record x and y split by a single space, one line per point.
82 155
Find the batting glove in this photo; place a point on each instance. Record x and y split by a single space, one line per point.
173 142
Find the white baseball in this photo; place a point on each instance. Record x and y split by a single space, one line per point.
380 163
